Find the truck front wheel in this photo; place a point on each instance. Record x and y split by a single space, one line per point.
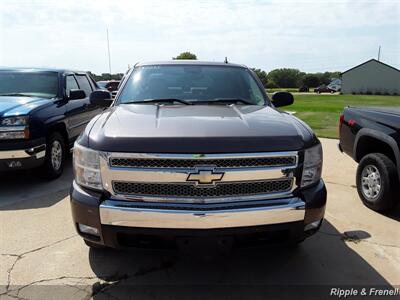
55 156
377 182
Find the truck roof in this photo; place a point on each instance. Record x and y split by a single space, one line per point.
189 62
28 69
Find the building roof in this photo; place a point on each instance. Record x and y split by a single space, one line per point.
190 62
368 61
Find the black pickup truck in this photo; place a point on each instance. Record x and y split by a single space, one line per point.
191 150
42 111
371 136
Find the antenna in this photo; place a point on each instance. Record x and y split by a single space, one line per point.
109 57
379 53
226 60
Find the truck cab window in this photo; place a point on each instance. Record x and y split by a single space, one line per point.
84 84
71 84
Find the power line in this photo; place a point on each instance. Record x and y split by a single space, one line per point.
109 56
379 53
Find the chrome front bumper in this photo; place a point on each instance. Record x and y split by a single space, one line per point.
119 213
37 152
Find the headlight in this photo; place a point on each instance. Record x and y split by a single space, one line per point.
87 167
14 128
14 121
312 166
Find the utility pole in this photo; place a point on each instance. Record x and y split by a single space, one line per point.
379 53
109 57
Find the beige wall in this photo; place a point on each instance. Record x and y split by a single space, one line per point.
372 77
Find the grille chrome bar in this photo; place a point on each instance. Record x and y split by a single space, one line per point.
180 176
200 156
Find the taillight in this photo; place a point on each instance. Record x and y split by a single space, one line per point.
351 122
341 120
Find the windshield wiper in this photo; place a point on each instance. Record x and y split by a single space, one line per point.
16 95
228 100
161 100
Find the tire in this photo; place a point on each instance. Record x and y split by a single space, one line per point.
55 156
94 245
377 169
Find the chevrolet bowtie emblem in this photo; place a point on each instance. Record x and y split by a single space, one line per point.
205 177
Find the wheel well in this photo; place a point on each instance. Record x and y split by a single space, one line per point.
61 129
367 145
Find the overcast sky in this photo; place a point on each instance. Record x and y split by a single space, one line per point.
309 35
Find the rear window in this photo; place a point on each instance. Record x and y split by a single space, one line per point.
192 83
35 84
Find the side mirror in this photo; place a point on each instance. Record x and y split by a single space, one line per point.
282 99
76 94
101 98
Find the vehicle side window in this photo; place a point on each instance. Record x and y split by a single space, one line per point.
71 84
84 84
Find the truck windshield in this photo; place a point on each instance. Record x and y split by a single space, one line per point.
191 83
31 84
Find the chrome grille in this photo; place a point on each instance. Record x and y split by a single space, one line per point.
182 178
190 190
278 161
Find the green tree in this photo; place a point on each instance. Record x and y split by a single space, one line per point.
271 84
285 78
262 75
311 80
106 76
186 55
94 76
326 77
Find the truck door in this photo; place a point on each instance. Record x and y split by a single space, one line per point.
76 112
84 84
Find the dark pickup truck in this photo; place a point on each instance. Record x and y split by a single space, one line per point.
371 136
42 111
191 150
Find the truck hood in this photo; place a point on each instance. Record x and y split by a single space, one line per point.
196 129
12 106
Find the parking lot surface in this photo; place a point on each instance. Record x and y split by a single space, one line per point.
42 257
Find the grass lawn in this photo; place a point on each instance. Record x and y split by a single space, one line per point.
322 112
290 90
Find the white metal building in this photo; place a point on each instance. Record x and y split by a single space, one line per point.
371 77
